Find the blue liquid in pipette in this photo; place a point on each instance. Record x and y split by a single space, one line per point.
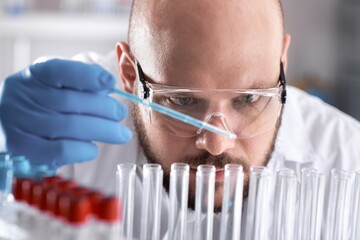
174 114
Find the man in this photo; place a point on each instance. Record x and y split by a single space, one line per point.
216 50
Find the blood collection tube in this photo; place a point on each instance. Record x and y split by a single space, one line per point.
95 197
24 195
338 206
204 202
285 204
37 220
310 205
107 219
179 188
232 202
356 208
52 208
76 212
152 192
125 191
258 204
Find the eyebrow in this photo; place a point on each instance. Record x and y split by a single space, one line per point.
262 85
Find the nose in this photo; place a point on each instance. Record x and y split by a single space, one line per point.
213 143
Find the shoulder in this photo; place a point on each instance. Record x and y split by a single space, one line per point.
317 131
318 115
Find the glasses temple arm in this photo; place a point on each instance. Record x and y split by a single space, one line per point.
141 77
282 83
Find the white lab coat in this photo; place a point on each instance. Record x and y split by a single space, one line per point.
312 134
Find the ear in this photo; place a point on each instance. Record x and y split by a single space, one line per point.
126 66
284 55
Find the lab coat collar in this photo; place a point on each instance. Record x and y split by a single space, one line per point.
293 143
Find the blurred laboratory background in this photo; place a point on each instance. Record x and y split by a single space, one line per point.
324 54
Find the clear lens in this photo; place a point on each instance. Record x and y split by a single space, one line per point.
245 114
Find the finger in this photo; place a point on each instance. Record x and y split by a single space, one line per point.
53 153
69 101
70 126
71 74
32 95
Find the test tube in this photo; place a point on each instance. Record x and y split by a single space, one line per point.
179 188
204 202
356 206
152 190
258 204
125 190
338 205
285 202
6 176
310 209
232 202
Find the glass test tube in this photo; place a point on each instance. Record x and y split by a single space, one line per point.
285 204
337 222
356 208
125 189
151 208
204 202
310 210
6 176
179 190
232 202
257 210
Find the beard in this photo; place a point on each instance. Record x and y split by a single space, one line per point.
219 161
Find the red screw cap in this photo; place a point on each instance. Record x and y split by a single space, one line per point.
65 184
21 188
109 210
76 209
51 181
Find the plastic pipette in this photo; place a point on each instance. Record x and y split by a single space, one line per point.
175 114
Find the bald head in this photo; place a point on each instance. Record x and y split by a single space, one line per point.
160 10
166 34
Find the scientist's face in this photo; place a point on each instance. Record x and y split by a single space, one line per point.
208 45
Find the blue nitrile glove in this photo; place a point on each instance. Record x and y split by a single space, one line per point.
52 111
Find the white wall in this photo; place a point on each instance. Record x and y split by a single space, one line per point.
25 38
312 25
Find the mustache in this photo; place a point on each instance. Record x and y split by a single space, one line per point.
219 161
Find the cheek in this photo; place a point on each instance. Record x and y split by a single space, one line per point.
168 148
255 150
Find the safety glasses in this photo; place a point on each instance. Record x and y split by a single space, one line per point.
245 112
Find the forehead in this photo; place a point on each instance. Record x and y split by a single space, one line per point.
211 44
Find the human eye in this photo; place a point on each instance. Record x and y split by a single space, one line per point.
245 101
247 98
181 101
176 100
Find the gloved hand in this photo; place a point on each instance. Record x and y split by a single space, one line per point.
52 111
